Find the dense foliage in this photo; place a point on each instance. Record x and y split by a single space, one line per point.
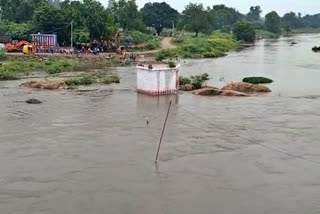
273 22
257 80
196 81
159 16
244 31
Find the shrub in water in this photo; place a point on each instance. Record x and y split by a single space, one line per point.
198 80
172 64
257 80
84 80
184 80
113 78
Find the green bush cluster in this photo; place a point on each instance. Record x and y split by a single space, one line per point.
84 80
113 78
136 37
153 44
166 54
244 31
184 80
257 80
197 81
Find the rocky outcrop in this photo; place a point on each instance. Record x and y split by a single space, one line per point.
187 87
207 91
231 93
246 88
33 101
45 84
316 49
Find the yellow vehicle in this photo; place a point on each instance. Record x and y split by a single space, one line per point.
28 49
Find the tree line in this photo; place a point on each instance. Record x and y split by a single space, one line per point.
92 21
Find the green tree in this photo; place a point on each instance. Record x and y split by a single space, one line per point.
94 17
291 21
254 14
221 17
312 20
244 31
195 18
127 15
159 15
272 22
50 19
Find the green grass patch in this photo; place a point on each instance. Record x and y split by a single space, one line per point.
257 80
3 55
113 78
77 81
215 45
23 66
6 75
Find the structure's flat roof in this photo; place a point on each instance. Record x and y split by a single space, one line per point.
158 67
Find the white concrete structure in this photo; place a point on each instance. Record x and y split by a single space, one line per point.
159 80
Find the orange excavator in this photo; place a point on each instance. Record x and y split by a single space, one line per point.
16 47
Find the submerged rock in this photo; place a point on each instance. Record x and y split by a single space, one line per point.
33 101
207 91
231 93
45 84
316 49
246 88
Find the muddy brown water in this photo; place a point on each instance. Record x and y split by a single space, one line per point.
92 151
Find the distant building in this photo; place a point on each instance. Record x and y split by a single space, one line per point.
44 42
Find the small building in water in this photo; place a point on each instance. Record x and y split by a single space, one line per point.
157 79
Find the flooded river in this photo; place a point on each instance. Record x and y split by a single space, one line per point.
92 152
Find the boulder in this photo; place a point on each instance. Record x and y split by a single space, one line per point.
246 88
231 93
187 87
207 91
33 101
45 84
